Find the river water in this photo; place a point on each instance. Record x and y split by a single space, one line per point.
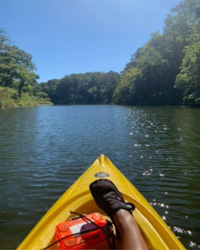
43 150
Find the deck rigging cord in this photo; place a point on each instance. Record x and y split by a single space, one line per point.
107 232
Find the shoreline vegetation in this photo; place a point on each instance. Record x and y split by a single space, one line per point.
165 71
9 99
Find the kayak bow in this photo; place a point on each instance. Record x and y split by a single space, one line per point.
78 199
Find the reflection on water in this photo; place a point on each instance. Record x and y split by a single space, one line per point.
44 150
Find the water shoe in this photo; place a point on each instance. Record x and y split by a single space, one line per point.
108 197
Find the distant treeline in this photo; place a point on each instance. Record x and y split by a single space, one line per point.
165 71
88 88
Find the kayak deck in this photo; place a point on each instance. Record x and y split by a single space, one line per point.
78 199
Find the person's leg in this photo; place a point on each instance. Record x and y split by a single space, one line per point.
110 200
129 231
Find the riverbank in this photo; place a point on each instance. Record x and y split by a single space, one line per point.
9 99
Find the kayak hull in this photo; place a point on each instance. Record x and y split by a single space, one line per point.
78 199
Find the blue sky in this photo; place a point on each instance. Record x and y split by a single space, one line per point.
78 36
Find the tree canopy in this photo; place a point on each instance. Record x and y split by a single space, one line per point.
88 88
16 66
188 80
18 80
166 69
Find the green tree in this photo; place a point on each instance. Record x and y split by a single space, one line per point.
147 82
50 88
126 92
178 28
159 61
188 81
16 66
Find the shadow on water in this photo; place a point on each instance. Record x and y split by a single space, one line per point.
43 150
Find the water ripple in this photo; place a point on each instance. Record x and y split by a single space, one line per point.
44 150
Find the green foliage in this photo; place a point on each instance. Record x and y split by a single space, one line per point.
50 88
7 97
188 81
18 86
16 67
27 101
88 88
168 64
42 94
125 92
148 77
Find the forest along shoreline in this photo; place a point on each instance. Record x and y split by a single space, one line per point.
165 71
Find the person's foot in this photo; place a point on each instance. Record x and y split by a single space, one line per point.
108 197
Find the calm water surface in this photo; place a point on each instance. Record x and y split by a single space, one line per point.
43 150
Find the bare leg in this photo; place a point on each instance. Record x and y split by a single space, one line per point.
129 231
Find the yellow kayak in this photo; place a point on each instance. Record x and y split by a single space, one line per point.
78 199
